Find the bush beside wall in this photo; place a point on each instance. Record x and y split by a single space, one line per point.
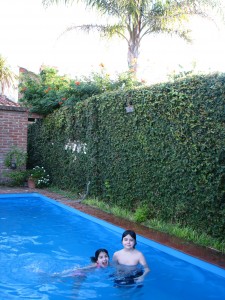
13 132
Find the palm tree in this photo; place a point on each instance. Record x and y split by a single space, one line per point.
7 76
137 18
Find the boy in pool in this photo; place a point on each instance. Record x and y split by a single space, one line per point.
128 259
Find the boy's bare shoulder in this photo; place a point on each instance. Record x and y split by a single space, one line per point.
139 253
117 252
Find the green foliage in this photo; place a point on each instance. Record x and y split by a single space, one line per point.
70 194
40 177
7 76
186 233
168 154
48 91
17 177
141 213
43 93
16 155
64 131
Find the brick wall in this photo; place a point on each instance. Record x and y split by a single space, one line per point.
13 132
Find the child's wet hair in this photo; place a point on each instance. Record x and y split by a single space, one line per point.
97 252
131 233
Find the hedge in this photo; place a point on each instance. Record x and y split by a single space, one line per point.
168 154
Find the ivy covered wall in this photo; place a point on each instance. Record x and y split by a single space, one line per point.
168 154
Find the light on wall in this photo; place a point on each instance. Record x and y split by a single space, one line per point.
13 165
129 107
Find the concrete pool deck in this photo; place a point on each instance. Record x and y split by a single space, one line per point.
206 254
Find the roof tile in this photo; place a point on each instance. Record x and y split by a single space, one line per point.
4 101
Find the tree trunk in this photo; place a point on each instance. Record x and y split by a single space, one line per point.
133 50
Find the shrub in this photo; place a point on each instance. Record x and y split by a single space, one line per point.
17 178
40 177
47 91
17 156
141 214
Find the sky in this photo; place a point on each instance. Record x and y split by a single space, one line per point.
30 36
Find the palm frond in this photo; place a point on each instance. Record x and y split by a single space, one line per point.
7 77
105 30
47 3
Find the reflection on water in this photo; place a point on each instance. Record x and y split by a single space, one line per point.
40 241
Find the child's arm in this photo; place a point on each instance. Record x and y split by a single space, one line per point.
115 259
75 271
145 266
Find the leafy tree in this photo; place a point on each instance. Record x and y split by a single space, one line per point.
42 93
48 91
137 18
7 77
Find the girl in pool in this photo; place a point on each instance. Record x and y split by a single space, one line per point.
129 259
100 260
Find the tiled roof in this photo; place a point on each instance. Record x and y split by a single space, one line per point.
4 101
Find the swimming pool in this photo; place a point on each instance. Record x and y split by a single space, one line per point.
40 237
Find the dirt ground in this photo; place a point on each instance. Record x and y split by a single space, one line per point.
206 254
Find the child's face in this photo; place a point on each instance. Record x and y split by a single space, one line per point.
128 242
103 260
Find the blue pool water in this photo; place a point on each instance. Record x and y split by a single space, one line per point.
40 237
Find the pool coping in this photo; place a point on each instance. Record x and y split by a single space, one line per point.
207 255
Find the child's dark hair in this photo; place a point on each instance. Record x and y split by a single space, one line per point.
132 234
97 252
